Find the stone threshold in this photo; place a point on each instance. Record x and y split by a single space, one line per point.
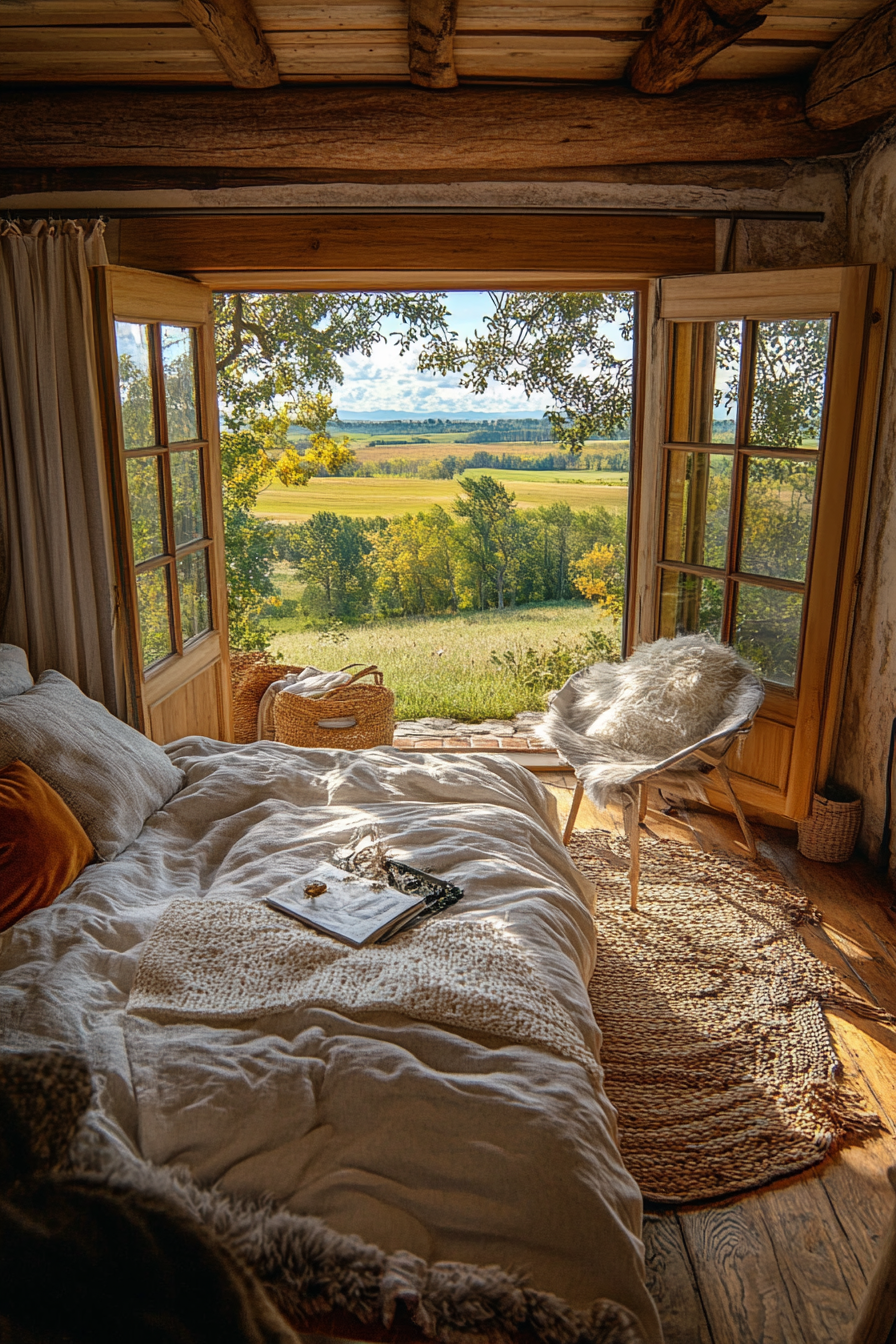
517 734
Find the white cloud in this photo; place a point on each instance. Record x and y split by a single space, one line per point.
386 378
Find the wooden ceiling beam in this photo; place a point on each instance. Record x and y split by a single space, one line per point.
234 33
856 78
402 129
686 35
431 25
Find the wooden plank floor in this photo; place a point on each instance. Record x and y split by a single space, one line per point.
788 1264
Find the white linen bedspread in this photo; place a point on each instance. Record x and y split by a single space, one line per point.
411 1135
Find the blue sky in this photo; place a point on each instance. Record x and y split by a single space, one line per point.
387 382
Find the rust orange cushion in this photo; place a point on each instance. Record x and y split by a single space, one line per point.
43 846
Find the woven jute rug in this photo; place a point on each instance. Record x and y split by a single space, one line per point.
716 1051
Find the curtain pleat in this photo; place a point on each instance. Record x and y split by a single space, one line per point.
57 597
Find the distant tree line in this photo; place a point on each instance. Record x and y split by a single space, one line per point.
451 465
485 552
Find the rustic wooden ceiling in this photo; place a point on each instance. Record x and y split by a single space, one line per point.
152 41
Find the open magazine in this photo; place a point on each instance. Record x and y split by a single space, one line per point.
359 910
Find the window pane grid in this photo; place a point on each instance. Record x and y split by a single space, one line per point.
162 420
738 511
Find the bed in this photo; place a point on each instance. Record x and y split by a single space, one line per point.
441 1098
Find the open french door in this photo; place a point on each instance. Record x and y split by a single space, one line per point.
760 395
155 338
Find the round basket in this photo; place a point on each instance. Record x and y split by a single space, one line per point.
250 682
829 835
297 719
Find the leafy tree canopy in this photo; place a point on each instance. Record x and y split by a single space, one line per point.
273 348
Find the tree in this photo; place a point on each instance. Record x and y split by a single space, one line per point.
328 552
493 536
278 359
553 345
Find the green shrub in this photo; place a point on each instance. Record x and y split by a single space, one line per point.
546 669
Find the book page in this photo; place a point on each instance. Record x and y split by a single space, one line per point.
352 908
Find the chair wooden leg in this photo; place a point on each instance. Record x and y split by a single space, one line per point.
573 812
630 808
642 805
722 772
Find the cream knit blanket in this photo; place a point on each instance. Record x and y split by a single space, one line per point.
224 961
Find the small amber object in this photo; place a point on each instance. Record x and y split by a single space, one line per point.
315 888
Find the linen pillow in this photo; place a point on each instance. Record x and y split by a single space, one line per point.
111 776
14 674
43 846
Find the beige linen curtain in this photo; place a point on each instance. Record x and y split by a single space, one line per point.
56 592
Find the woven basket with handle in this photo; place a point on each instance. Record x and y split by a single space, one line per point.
829 835
297 720
251 677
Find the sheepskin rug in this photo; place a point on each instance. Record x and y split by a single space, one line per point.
614 720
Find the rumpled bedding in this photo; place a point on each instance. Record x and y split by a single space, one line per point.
432 1138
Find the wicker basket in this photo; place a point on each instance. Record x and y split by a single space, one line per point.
296 719
829 835
251 677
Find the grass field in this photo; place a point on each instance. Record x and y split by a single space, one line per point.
438 666
389 496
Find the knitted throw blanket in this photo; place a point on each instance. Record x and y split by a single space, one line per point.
219 962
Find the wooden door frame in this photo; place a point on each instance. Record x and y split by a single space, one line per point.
859 296
157 297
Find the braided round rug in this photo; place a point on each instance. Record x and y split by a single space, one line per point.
716 1051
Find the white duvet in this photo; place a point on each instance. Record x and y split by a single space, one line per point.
410 1134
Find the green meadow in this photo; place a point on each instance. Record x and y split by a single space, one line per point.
440 666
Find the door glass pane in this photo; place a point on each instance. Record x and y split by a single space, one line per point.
698 498
180 383
705 373
690 604
192 581
778 518
135 385
767 630
154 607
186 486
789 383
144 494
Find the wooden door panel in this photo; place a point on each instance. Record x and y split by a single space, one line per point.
193 708
764 756
155 336
788 753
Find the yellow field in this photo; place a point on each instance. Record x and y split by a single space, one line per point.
390 496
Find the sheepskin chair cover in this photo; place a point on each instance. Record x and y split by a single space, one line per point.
613 721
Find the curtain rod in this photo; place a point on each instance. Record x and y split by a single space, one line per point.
243 211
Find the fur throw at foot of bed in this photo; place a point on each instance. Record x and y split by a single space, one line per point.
615 720
308 1269
251 1254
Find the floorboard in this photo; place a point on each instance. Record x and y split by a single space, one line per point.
788 1264
671 1280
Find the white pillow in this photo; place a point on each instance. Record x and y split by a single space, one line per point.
111 776
14 674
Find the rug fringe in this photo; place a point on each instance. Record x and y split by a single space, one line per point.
841 996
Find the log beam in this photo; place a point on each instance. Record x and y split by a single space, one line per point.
856 78
403 130
234 33
687 34
431 25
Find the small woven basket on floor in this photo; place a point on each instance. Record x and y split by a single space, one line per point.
297 719
251 676
829 835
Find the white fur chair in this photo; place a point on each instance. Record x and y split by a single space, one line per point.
667 715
